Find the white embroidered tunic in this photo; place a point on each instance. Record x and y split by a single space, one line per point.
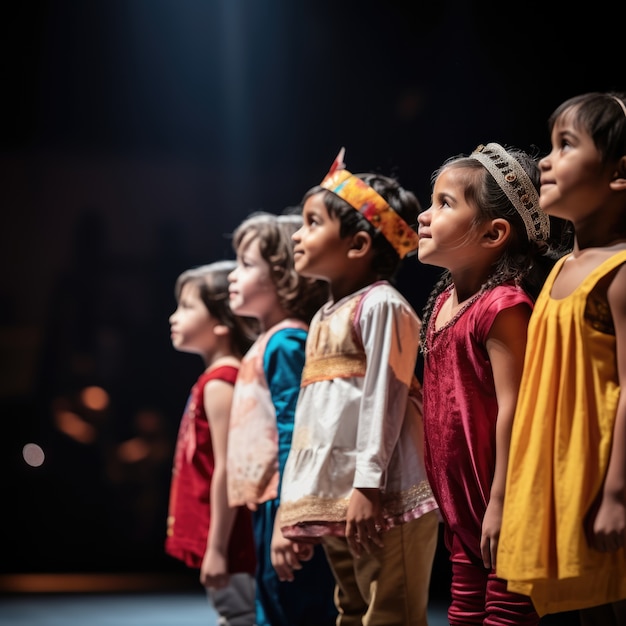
358 420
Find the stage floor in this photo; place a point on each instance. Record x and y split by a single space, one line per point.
136 609
121 600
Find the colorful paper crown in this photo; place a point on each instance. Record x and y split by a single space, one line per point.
371 205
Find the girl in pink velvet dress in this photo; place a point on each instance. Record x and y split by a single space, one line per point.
486 229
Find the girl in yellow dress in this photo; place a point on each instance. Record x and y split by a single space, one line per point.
564 519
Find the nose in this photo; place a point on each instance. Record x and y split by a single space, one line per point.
544 163
424 217
296 236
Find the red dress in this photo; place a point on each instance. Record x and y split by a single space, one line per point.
189 514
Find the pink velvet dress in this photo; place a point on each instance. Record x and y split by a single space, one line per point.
460 411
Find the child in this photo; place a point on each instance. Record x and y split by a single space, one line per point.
265 286
484 226
354 478
202 530
564 519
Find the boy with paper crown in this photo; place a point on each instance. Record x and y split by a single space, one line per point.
355 477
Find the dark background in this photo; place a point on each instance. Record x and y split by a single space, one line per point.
136 134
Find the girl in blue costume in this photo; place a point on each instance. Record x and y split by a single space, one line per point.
265 286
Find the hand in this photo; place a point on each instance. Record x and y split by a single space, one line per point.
305 551
490 536
608 526
286 555
214 570
364 522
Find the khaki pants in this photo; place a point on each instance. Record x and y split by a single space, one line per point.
388 587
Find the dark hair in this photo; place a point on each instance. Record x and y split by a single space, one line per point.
601 116
212 283
301 297
386 260
524 261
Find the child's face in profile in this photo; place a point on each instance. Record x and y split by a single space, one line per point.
191 325
319 251
448 235
252 292
573 175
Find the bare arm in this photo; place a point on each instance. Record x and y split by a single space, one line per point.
214 570
506 345
609 525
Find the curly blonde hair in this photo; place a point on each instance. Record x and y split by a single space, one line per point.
301 297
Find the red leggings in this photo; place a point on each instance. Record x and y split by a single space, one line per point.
479 597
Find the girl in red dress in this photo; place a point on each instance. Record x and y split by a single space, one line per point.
202 530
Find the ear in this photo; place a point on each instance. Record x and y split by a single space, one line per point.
360 245
221 330
497 232
618 183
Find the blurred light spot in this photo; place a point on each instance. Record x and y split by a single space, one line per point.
33 454
133 450
75 426
95 398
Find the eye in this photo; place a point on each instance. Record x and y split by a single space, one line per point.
439 199
311 220
564 141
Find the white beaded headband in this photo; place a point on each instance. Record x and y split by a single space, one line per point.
620 102
517 186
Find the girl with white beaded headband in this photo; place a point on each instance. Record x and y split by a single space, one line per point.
485 228
563 529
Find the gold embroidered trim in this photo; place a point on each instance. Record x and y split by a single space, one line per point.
316 509
333 366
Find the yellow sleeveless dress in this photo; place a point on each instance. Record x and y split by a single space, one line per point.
561 440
